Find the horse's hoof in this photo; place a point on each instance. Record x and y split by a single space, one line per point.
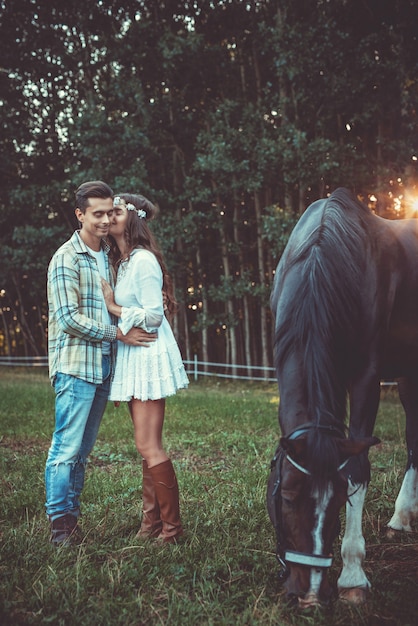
391 533
355 595
310 601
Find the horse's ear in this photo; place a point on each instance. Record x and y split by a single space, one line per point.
353 447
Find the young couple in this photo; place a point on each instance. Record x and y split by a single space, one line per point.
109 339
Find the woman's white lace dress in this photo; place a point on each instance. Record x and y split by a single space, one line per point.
157 371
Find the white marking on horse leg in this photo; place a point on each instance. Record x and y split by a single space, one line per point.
353 548
406 505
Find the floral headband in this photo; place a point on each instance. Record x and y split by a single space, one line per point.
117 200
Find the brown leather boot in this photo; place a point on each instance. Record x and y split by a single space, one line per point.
167 490
151 525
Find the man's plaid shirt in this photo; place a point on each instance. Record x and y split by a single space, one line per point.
75 300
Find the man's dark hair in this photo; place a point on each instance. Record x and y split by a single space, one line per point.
91 189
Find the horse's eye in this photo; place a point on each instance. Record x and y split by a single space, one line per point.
289 495
292 482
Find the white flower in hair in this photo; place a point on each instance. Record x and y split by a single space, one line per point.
139 212
117 201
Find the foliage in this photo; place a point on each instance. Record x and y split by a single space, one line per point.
278 225
221 437
215 110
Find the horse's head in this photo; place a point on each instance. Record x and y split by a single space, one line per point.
304 496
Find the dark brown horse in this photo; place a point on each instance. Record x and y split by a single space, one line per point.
345 303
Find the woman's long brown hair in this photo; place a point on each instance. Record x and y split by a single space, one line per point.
138 234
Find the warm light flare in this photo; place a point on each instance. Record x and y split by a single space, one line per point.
398 202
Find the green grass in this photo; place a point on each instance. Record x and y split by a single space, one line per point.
221 437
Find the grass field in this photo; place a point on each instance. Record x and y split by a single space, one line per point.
221 437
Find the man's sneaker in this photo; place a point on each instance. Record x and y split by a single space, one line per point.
63 530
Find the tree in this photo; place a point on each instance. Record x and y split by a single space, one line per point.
232 116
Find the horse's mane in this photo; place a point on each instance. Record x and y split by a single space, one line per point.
321 321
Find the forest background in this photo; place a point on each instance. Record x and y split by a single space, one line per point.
231 115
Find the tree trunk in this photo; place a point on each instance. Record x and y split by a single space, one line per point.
229 307
28 338
244 299
6 333
262 281
205 304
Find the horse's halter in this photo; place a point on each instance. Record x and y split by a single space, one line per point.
283 556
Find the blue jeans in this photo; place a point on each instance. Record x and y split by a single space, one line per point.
79 408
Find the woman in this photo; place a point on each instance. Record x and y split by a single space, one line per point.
144 377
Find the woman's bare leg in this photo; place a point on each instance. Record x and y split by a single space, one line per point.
148 420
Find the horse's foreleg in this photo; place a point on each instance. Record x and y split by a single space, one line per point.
406 505
353 584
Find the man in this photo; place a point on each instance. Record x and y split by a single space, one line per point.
81 349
